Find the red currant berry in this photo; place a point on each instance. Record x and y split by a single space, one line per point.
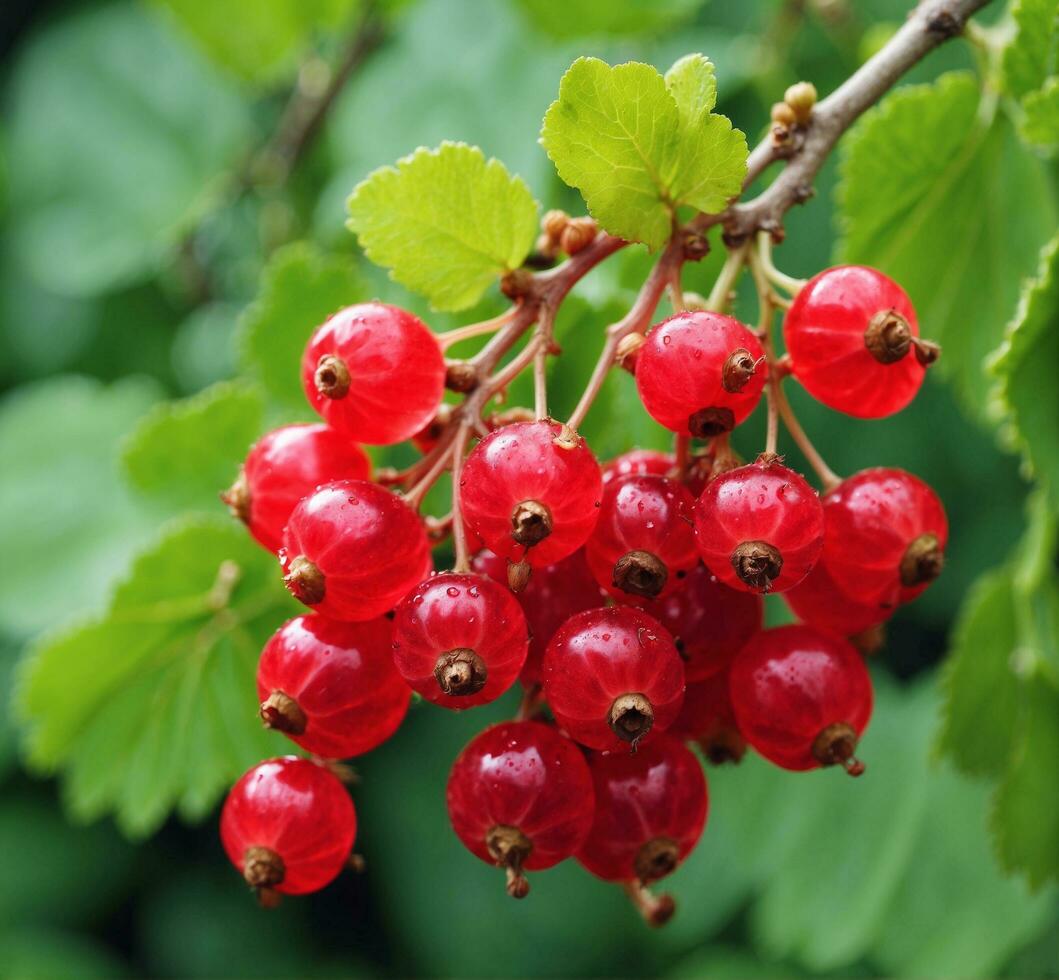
709 622
707 718
639 462
818 601
288 826
650 811
854 344
352 550
529 496
375 372
331 686
612 677
700 374
520 797
802 698
284 466
759 527
459 640
644 542
554 593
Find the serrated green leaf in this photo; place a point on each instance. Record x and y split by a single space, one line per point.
445 222
1025 368
692 81
1040 121
1030 56
618 136
153 706
935 215
580 18
300 288
185 452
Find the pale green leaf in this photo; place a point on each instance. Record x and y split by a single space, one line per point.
936 216
580 18
1040 121
692 81
153 706
446 222
1030 56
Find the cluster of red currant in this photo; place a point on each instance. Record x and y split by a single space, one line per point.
626 598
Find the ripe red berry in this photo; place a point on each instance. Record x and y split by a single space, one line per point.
709 622
459 640
284 466
650 811
520 797
613 677
802 698
639 462
529 497
352 550
759 527
707 718
375 372
332 686
853 341
818 601
288 826
700 374
644 542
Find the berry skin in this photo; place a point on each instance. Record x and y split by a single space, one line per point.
520 797
284 466
527 497
643 544
352 550
818 601
639 462
700 374
802 698
852 338
612 678
554 593
650 811
707 717
288 826
330 686
459 640
375 373
709 622
759 527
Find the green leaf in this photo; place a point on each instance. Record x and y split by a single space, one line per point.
1025 367
445 222
1023 818
43 953
579 18
1031 55
619 136
69 523
1040 122
153 706
104 184
300 288
184 453
692 81
936 216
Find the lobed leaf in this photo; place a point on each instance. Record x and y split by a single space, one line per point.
1031 55
1040 120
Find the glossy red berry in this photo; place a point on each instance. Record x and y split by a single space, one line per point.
528 495
284 466
375 372
853 341
459 640
288 826
520 797
707 718
709 622
700 373
331 686
554 593
802 698
352 550
612 677
818 601
759 527
650 811
639 462
643 544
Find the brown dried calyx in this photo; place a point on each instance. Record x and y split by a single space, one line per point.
237 497
757 563
263 869
888 337
461 376
518 575
923 561
305 581
724 745
737 371
509 847
640 573
531 522
631 717
835 746
657 858
332 376
709 422
460 672
281 712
